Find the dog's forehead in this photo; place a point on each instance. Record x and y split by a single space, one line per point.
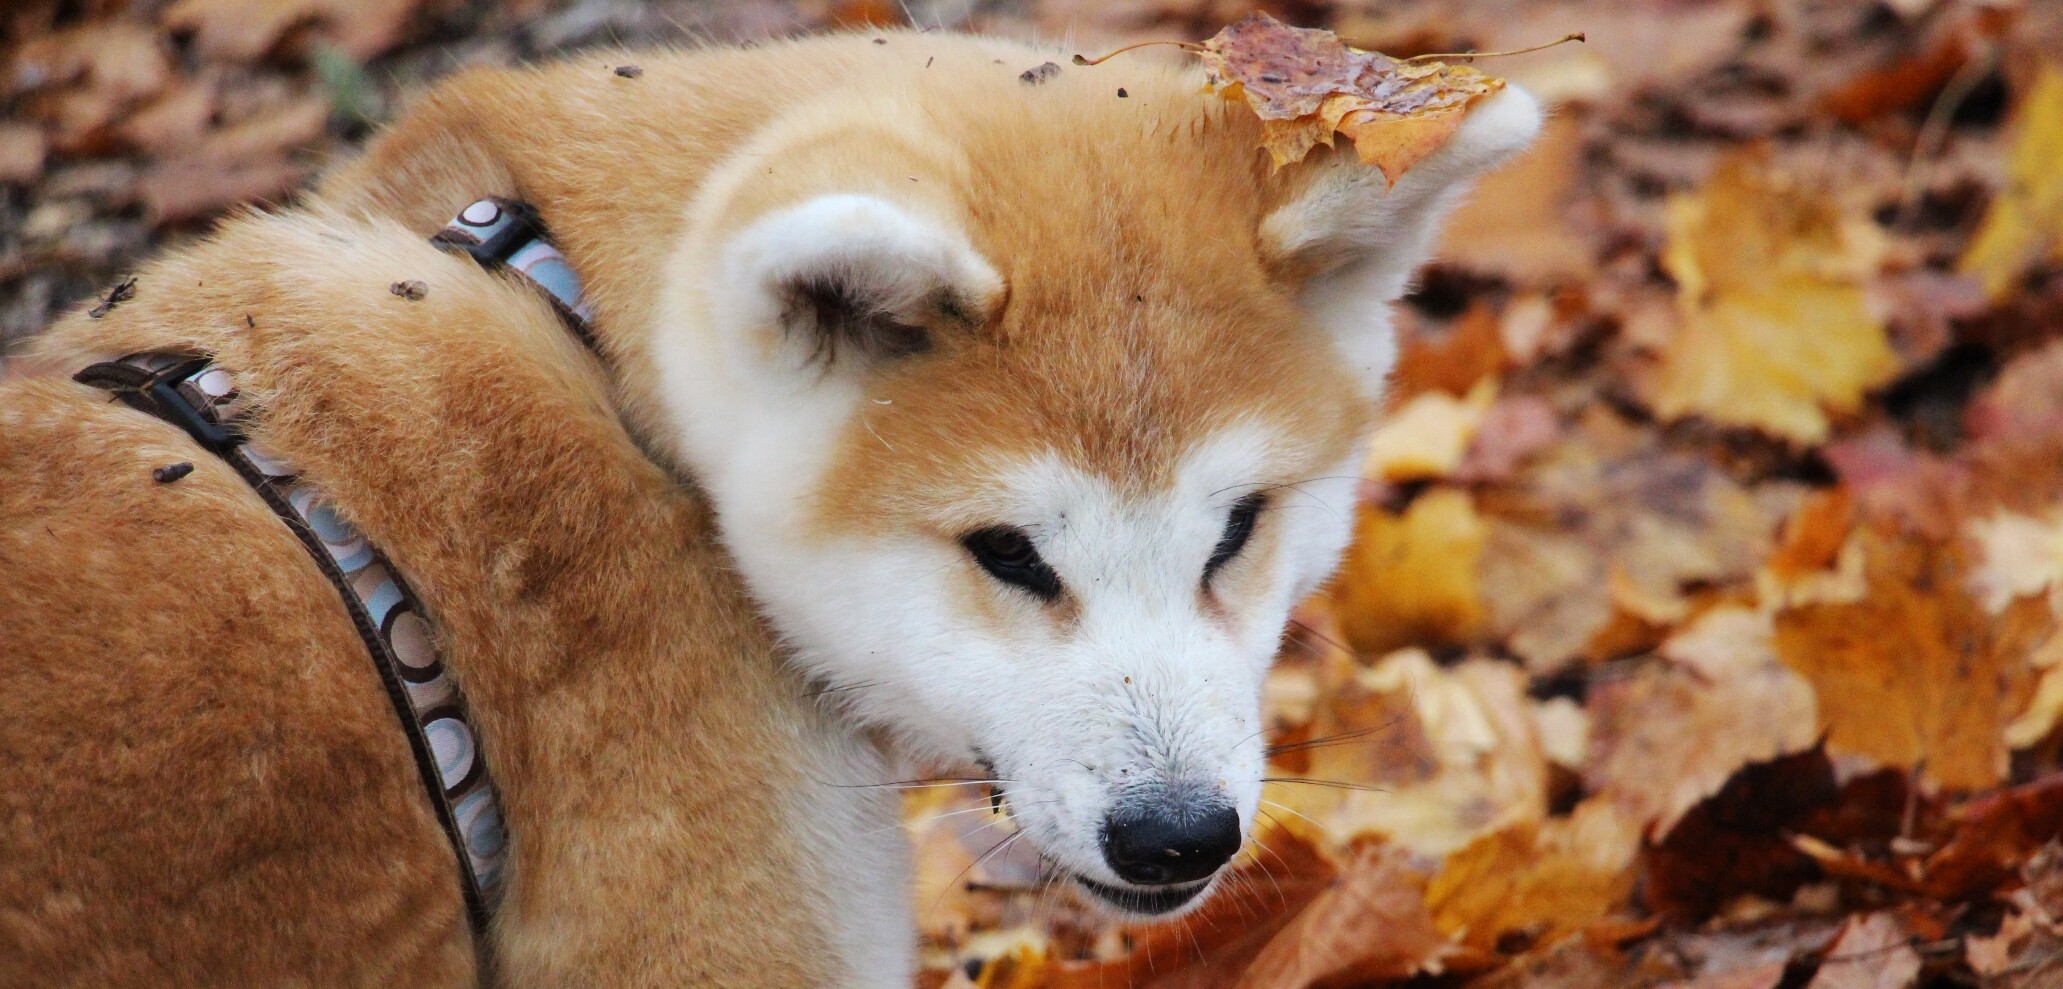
1130 398
1053 492
1138 316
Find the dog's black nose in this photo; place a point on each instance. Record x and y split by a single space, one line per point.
1170 844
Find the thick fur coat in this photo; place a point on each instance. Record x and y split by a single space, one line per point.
203 783
1025 406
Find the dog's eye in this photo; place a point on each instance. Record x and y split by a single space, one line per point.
1238 529
1009 556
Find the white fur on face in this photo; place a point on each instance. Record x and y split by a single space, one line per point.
1143 676
1148 679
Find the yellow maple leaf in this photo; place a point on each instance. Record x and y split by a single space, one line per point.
1776 329
2025 221
1917 673
1411 579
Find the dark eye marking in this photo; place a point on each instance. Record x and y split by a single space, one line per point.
1239 527
1008 555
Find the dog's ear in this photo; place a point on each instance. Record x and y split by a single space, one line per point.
853 280
1350 241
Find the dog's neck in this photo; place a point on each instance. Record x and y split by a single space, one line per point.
615 197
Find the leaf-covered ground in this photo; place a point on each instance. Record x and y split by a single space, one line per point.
1705 627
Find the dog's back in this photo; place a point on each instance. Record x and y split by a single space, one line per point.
203 782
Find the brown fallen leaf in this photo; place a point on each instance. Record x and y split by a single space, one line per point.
1537 879
22 149
1732 843
1993 837
252 160
1307 85
1873 952
2027 950
1720 956
82 81
184 190
1611 521
1917 674
1764 976
2015 454
2024 405
123 60
1212 947
1777 332
950 832
1924 307
1512 431
280 129
2024 224
178 118
1812 538
1370 924
1452 752
1910 80
1452 359
247 30
1576 963
1672 735
1919 492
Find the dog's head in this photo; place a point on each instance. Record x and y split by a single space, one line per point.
1029 412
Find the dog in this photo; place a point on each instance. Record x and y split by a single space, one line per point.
943 408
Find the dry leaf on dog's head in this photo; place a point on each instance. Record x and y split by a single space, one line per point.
1306 85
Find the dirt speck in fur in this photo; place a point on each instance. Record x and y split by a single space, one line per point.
115 297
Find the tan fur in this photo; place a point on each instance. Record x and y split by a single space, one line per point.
203 782
195 739
1164 189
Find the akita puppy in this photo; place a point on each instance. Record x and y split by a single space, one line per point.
1027 403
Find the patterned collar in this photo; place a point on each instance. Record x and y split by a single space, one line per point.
192 392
